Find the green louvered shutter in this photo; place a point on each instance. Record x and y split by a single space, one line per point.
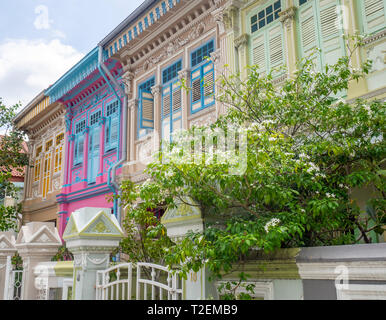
374 12
308 29
331 32
146 110
259 53
275 43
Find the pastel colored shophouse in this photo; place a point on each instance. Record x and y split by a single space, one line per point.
43 122
160 44
279 33
101 121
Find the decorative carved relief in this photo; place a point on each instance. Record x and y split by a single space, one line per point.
172 48
204 120
287 16
127 80
377 54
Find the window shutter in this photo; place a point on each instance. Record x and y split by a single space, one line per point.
258 53
208 83
276 54
114 132
374 14
331 35
177 96
166 102
308 28
146 110
196 89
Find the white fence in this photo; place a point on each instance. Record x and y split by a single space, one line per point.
153 282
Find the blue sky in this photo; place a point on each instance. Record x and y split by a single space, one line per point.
41 39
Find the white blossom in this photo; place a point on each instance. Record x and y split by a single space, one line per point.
272 223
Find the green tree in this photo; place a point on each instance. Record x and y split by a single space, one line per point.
307 149
12 157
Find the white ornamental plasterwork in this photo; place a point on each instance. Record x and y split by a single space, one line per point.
203 121
43 238
35 192
80 260
145 150
173 47
3 245
287 16
56 184
377 54
97 261
128 77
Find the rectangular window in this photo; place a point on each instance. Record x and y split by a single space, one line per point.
112 126
95 117
151 17
46 174
125 39
302 2
115 48
58 153
146 22
140 27
158 13
80 126
170 4
268 49
48 145
130 35
202 87
112 108
199 55
171 72
135 32
79 142
265 16
111 51
171 114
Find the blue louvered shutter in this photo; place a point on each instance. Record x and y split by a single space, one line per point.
208 84
146 110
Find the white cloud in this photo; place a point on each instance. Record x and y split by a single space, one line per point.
29 66
42 21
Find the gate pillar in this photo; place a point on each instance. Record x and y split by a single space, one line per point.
178 222
7 250
91 235
36 242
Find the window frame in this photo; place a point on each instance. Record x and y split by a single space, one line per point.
201 65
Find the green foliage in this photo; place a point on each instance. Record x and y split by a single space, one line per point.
17 262
11 157
307 150
63 254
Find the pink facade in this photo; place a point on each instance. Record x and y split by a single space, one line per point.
93 132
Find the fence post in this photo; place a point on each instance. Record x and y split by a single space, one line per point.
7 250
37 242
91 235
